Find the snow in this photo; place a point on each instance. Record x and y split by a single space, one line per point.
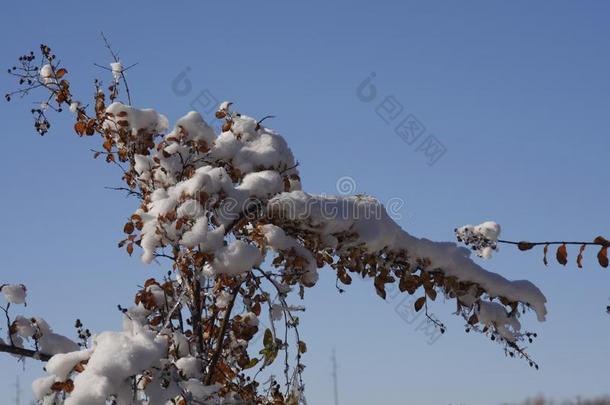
211 181
244 126
277 240
376 231
23 327
46 74
223 299
190 209
226 146
252 150
481 238
50 342
162 300
236 258
268 150
42 387
146 119
116 356
200 235
261 184
224 106
117 70
194 127
74 106
190 367
143 165
494 314
135 317
14 293
60 365
206 179
490 230
199 391
262 159
249 318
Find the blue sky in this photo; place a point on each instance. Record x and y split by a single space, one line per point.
517 93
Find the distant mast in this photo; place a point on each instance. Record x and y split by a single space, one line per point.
17 392
335 378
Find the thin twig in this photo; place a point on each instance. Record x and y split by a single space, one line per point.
289 168
129 191
171 312
8 323
221 335
510 242
24 352
116 59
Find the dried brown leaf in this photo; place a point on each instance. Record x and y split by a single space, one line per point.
419 303
602 257
525 245
579 258
562 254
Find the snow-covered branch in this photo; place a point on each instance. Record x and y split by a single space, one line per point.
221 208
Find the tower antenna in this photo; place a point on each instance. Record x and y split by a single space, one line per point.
17 392
335 377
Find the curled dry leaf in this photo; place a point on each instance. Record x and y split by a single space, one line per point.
473 320
380 287
302 347
253 362
128 228
60 73
579 258
431 292
227 126
525 245
344 277
602 257
80 128
562 254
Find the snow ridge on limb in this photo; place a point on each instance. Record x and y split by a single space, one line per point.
360 235
347 223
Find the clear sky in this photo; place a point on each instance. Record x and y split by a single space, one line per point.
516 92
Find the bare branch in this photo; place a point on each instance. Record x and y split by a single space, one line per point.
24 352
221 335
532 244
